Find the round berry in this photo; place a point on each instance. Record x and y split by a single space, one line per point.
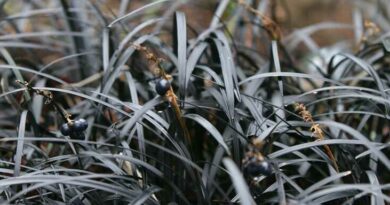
80 125
255 168
84 123
265 167
65 129
162 86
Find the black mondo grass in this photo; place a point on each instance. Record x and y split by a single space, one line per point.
194 102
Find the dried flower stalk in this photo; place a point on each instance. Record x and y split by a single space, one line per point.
49 100
268 24
172 98
316 130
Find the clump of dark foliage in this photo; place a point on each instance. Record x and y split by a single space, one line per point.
132 103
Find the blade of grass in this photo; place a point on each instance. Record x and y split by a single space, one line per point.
375 199
238 182
210 128
321 183
20 144
131 14
180 47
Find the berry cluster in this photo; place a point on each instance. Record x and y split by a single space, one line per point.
71 127
74 127
254 162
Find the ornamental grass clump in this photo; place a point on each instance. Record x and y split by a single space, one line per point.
194 102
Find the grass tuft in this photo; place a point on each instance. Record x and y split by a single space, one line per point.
194 102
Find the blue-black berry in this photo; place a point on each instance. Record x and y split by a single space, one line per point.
80 125
265 168
74 127
255 168
162 86
65 129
